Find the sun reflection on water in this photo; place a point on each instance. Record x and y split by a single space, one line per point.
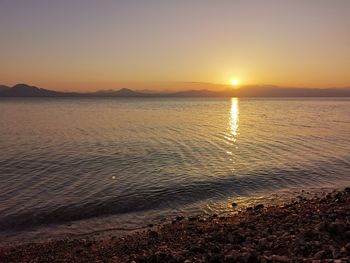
234 117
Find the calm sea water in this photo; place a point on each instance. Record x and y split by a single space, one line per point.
72 166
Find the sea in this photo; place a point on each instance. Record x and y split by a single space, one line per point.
71 167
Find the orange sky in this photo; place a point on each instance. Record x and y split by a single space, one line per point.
86 45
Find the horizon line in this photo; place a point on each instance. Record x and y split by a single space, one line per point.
140 89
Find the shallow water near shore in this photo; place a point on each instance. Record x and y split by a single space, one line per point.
74 166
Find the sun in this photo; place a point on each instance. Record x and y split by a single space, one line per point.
234 82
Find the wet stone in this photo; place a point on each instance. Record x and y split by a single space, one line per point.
320 254
179 218
259 207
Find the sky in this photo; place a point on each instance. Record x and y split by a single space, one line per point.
86 45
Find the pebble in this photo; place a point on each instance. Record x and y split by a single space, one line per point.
259 207
320 254
230 237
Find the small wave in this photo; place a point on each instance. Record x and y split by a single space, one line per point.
177 194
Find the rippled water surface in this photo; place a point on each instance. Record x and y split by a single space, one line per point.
72 166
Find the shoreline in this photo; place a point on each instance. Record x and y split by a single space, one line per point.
118 227
309 229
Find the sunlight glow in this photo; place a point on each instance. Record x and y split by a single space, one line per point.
234 82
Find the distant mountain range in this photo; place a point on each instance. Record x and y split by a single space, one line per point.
3 87
24 90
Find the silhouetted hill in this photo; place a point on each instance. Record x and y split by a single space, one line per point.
198 93
3 87
24 90
119 93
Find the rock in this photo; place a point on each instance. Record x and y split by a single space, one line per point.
246 257
321 226
336 253
161 256
282 259
343 251
259 207
197 248
274 238
336 227
230 237
214 248
143 242
262 244
79 250
347 247
347 234
89 244
153 234
320 254
215 258
178 258
231 256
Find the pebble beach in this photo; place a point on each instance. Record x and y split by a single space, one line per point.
314 229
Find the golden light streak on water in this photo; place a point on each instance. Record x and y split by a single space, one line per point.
234 118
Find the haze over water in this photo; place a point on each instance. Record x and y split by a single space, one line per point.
71 166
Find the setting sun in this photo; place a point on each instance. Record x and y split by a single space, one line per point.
234 82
